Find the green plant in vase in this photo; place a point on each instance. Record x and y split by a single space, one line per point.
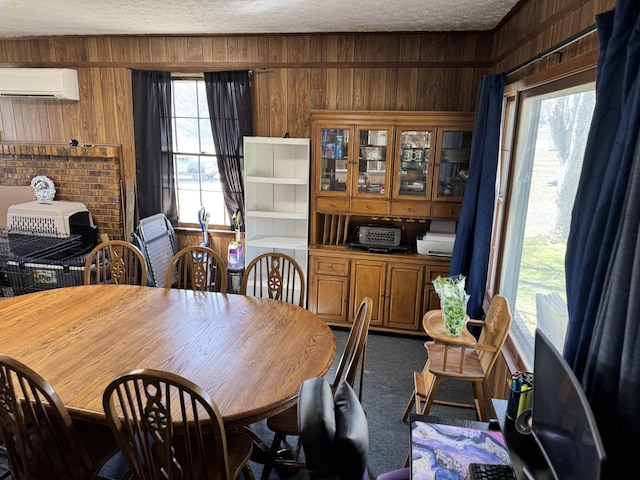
453 302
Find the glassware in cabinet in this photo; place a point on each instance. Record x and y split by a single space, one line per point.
334 163
453 165
413 160
373 167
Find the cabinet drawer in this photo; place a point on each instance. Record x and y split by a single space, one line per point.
333 205
410 209
433 273
330 266
446 210
369 207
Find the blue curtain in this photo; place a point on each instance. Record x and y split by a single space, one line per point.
605 173
604 298
473 238
154 144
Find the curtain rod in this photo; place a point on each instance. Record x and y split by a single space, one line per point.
559 46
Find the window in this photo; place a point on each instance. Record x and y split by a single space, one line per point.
552 128
195 162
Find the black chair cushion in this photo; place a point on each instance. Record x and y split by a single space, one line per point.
352 434
317 425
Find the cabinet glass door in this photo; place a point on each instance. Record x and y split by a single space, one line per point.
413 160
453 165
334 171
372 162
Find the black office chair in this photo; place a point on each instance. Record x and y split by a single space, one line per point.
335 434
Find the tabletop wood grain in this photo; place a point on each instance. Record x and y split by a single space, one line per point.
250 354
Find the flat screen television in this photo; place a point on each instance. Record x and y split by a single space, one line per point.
562 422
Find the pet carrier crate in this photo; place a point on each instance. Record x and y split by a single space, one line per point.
34 262
44 246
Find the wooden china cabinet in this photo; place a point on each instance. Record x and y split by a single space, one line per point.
396 170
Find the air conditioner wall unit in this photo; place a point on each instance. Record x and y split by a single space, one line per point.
58 83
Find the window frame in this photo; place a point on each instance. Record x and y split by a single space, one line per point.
202 156
518 355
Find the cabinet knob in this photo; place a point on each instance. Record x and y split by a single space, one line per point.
332 205
411 209
369 207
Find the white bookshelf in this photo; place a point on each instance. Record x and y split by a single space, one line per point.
276 186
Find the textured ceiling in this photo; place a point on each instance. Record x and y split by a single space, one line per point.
26 18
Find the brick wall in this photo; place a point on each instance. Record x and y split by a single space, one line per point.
91 175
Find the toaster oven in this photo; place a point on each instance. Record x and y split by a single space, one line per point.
379 236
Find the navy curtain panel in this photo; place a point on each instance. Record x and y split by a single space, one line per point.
603 182
605 251
470 255
229 99
155 180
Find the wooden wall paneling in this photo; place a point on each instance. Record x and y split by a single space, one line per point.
318 77
44 119
233 50
360 78
88 123
37 115
178 50
407 78
118 50
158 49
382 85
102 80
407 90
421 90
124 134
375 92
391 88
144 45
318 49
23 50
132 50
260 101
7 119
332 92
358 101
110 130
345 77
277 49
435 84
22 125
298 48
277 102
249 49
298 84
103 50
345 89
318 83
195 53
10 51
219 49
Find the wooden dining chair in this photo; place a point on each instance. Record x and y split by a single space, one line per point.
350 368
197 268
470 364
115 261
41 440
168 427
275 275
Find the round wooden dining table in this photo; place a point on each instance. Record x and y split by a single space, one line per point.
249 354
